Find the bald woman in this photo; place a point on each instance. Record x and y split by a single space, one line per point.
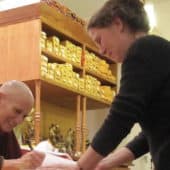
16 101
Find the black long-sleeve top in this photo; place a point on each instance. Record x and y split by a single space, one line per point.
139 145
144 97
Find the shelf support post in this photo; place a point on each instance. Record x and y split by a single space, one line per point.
78 126
37 110
84 125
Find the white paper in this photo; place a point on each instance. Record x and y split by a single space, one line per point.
53 159
45 146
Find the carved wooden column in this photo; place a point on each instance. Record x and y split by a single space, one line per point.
78 126
84 99
37 110
84 125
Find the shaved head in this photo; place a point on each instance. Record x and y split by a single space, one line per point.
16 101
16 88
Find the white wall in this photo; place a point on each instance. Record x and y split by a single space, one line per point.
83 8
8 4
163 18
94 120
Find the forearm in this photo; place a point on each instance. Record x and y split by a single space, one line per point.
116 159
90 159
120 156
31 160
10 164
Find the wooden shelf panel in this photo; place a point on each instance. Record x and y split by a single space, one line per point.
68 91
55 58
104 57
101 78
20 14
55 94
50 31
64 96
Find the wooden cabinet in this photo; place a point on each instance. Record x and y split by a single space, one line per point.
20 34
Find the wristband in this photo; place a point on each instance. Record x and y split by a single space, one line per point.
80 168
1 161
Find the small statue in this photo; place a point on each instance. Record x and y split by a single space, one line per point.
56 137
70 141
27 129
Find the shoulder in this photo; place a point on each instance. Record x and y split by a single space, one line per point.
149 43
148 47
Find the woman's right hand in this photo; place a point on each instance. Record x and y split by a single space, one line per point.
29 161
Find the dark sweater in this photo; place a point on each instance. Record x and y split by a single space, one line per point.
144 97
139 145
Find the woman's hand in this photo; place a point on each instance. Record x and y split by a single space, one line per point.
30 160
116 159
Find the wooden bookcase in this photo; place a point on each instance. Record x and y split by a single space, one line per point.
20 33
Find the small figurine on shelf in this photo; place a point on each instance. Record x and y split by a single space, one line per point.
69 141
27 129
55 134
56 138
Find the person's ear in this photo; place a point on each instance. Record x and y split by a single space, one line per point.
118 23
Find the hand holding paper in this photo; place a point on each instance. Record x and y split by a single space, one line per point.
55 160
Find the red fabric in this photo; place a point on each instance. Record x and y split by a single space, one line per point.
9 147
24 151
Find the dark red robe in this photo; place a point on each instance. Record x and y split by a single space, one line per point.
9 147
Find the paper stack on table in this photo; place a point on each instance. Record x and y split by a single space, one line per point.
55 160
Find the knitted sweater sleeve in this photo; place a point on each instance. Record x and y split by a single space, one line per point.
139 145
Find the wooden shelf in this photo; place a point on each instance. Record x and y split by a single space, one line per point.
64 96
101 78
70 92
104 57
55 58
21 55
20 14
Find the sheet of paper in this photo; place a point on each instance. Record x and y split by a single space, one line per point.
54 160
